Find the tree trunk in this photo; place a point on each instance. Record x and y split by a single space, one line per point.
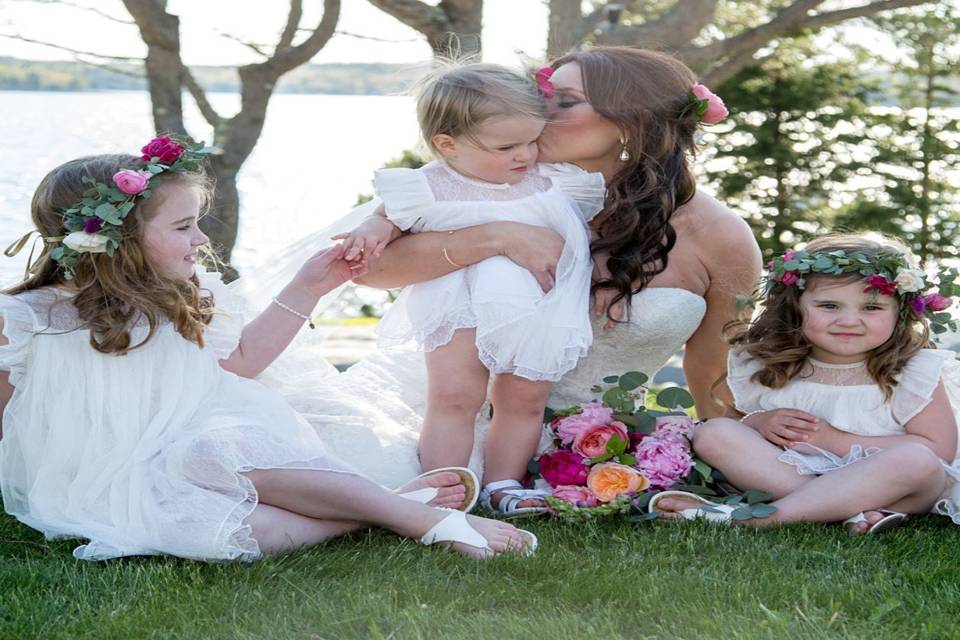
452 27
161 33
564 27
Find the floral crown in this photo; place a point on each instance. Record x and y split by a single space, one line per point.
94 224
887 273
707 105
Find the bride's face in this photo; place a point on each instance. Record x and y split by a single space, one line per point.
575 132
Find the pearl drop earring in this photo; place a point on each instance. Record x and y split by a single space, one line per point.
624 154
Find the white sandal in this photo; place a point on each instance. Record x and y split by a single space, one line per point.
455 528
467 478
890 520
513 494
714 512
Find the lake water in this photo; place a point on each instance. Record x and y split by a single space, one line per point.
315 155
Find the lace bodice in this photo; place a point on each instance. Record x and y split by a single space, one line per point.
448 185
662 319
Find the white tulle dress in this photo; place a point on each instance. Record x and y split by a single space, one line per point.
519 329
140 454
847 397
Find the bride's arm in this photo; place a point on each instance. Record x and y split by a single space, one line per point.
732 260
420 256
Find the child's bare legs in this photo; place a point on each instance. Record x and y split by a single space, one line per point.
515 429
456 389
305 506
906 477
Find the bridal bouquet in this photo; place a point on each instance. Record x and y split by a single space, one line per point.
612 455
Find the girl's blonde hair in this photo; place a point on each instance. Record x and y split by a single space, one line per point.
454 99
114 292
775 336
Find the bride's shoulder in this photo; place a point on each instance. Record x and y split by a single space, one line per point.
711 224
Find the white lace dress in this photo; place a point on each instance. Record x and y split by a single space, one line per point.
140 454
371 414
847 397
519 329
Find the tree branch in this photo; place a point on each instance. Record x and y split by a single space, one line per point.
678 26
283 61
293 21
82 8
60 47
256 48
421 16
200 97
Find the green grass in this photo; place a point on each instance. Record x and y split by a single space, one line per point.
599 580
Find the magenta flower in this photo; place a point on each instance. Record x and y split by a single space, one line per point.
937 302
881 285
788 278
716 110
543 82
789 255
664 461
92 225
577 496
132 182
919 305
563 467
165 150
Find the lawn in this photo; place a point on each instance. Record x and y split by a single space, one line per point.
599 580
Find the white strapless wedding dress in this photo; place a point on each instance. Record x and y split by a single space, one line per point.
370 415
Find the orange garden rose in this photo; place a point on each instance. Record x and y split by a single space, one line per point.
609 480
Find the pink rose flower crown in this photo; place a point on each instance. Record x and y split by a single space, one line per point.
610 456
94 224
887 274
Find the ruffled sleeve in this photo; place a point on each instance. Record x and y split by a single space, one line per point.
222 335
919 379
19 327
746 393
587 189
406 195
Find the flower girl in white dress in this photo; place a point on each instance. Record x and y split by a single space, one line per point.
481 122
849 416
131 420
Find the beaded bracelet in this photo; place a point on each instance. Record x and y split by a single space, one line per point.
294 312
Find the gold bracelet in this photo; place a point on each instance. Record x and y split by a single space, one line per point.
447 258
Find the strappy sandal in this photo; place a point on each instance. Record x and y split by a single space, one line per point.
467 478
890 520
513 494
455 528
710 511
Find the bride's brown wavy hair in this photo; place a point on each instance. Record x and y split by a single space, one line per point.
645 94
775 335
114 292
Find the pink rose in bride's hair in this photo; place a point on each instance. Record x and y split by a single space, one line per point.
716 110
163 149
592 442
543 81
577 496
563 467
665 461
132 182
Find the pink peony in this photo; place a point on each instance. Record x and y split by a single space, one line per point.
163 149
716 110
788 278
674 427
132 182
665 461
563 467
591 414
592 442
577 496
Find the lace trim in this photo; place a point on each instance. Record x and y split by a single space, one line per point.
448 185
827 365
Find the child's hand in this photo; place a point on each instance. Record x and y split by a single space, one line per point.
327 269
368 239
785 427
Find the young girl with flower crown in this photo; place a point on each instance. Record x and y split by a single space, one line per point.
847 414
481 122
131 419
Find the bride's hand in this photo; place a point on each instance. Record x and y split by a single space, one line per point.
536 249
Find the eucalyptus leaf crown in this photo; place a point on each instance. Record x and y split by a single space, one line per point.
95 224
886 273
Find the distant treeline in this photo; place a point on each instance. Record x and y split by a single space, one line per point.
347 79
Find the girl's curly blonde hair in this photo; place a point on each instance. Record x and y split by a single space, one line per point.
775 335
114 292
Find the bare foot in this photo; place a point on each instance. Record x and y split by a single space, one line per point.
502 537
669 508
872 518
451 493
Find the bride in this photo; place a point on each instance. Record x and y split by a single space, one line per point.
672 256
